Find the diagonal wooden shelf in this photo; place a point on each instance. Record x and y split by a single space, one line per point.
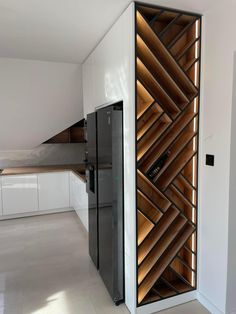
156 233
147 207
152 192
163 54
156 90
152 135
147 120
167 139
144 99
165 80
144 227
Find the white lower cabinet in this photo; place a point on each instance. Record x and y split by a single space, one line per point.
79 198
22 194
19 194
53 190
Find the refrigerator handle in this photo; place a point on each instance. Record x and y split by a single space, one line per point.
91 179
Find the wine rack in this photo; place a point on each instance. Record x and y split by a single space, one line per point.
168 44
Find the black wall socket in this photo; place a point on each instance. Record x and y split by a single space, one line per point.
210 160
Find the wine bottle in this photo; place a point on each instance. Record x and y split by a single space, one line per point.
158 165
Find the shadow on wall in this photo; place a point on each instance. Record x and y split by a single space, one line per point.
44 155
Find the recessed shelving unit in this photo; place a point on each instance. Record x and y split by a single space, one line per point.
168 45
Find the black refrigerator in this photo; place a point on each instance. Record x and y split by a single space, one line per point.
104 174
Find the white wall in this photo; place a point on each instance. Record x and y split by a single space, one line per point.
218 46
37 100
231 278
108 76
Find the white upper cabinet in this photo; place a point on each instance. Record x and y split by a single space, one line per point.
53 190
19 194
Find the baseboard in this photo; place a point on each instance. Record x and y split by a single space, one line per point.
166 304
37 213
208 304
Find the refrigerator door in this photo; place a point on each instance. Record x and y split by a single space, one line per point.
91 176
110 198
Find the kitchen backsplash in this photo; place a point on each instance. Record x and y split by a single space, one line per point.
45 154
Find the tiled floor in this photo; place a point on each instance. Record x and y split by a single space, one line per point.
45 269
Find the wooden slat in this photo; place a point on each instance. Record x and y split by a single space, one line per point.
156 233
144 100
144 227
148 207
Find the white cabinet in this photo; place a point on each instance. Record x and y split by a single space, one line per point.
0 196
19 194
79 198
53 190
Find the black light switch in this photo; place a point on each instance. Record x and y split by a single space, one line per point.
210 160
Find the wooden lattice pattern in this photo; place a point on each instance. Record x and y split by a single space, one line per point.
167 67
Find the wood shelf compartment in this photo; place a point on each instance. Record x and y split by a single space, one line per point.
147 207
144 227
163 263
146 121
150 13
176 166
157 232
163 289
168 138
152 135
160 74
152 296
186 188
162 21
144 99
145 186
184 272
183 196
163 55
156 90
188 173
175 149
161 246
178 25
176 281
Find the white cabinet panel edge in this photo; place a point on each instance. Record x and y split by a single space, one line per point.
79 198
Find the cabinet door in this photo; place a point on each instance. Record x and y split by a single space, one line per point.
53 190
19 194
79 198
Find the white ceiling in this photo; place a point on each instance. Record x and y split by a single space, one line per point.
65 30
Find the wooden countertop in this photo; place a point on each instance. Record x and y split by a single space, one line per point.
77 169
